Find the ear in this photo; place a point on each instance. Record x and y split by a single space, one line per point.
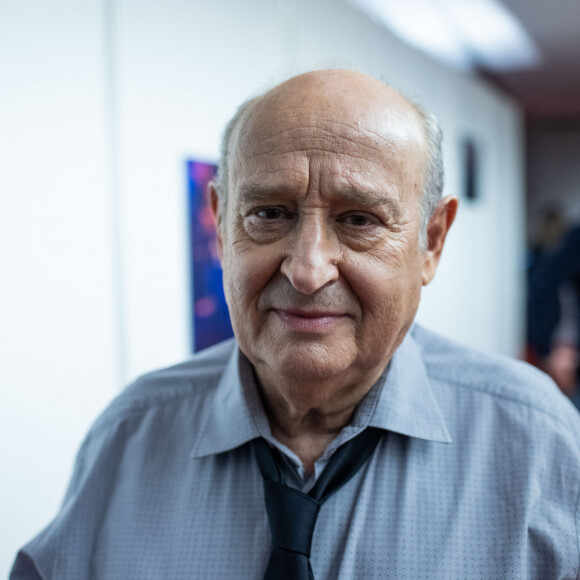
437 229
217 209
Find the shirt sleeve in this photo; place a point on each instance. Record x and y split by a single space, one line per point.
74 528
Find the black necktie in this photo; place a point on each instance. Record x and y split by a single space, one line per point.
292 514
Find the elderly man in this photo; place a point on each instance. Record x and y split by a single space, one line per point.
332 439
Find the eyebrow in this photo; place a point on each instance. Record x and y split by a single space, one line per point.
253 192
256 193
370 199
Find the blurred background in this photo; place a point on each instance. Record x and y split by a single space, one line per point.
102 105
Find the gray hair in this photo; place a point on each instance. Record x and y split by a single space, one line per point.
432 175
223 172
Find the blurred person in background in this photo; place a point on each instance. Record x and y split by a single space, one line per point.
554 304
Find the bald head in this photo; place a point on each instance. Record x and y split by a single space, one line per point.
337 95
324 100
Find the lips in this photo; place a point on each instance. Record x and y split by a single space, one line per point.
309 321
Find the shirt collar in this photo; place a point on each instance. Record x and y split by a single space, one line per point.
406 404
230 420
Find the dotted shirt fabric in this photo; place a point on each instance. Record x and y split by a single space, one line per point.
478 478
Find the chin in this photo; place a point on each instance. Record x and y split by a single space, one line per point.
309 361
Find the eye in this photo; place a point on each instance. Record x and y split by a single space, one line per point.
360 220
270 213
268 223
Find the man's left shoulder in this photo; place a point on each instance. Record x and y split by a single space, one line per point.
503 380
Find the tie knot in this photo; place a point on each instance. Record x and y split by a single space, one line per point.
292 516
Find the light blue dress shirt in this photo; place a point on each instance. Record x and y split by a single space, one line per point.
478 478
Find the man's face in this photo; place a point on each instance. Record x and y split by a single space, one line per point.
319 240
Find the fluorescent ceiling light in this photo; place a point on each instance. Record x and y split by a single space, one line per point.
462 33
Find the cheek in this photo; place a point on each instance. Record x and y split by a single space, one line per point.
388 287
247 270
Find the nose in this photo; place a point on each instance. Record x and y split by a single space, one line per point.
312 259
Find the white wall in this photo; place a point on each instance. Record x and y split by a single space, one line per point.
98 114
58 342
478 294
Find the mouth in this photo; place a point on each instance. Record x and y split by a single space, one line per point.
309 321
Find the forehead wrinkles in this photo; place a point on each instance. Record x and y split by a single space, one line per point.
389 139
316 136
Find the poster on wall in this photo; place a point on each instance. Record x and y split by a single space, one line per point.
210 318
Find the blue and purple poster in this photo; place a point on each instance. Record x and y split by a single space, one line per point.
211 320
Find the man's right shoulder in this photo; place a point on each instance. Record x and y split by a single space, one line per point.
191 380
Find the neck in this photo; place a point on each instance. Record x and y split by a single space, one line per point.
307 434
307 419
